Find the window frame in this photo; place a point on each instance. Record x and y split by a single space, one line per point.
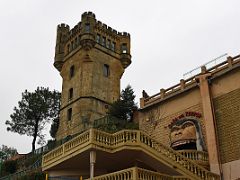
108 44
124 48
70 94
113 46
106 70
69 114
72 71
87 27
98 38
104 41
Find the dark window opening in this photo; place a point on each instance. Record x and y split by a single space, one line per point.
113 45
87 27
71 71
76 42
108 44
106 71
68 48
69 114
98 38
124 48
104 41
70 94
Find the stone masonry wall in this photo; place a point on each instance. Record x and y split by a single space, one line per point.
155 120
227 112
158 128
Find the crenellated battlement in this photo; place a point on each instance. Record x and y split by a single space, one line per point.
88 14
86 34
63 26
109 30
74 31
98 25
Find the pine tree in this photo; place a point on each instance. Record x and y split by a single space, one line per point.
35 110
125 106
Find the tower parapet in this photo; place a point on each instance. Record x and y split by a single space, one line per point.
91 33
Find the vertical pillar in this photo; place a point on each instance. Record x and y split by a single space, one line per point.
209 122
142 102
182 84
46 177
134 173
92 162
162 93
230 61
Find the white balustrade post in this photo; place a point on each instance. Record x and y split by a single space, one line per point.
92 162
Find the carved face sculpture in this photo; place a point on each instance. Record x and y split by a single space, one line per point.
183 135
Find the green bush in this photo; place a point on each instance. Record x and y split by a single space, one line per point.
9 167
33 176
31 160
112 124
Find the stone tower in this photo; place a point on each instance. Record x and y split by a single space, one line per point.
91 59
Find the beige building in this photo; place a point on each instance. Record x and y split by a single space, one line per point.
200 114
91 59
188 131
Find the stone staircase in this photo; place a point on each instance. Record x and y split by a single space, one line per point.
125 139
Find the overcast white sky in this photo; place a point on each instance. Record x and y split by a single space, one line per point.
168 38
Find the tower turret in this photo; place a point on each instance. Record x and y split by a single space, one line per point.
87 39
91 58
125 49
62 35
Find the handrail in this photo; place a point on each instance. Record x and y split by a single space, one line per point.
63 149
194 155
189 82
143 174
136 173
126 174
176 157
129 137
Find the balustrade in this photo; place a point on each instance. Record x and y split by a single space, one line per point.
134 138
136 174
195 155
188 83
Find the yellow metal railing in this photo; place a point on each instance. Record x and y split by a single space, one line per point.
126 138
